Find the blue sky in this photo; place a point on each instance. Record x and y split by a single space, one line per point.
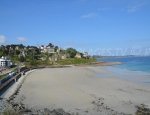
83 24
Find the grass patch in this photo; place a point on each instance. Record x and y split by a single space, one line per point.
10 112
142 110
3 76
76 61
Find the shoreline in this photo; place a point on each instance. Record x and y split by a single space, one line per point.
100 64
6 99
16 86
135 76
19 82
92 97
78 65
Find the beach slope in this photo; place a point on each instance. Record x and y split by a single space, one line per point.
81 90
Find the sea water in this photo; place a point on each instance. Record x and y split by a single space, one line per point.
130 63
132 68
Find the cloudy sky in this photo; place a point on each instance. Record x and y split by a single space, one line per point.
83 24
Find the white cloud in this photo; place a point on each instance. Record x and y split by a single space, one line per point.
90 15
22 39
2 39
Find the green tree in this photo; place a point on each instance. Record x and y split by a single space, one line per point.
22 59
56 48
72 52
51 45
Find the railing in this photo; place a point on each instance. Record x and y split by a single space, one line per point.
6 83
9 79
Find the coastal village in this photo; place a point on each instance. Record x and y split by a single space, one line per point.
17 59
74 57
19 53
28 68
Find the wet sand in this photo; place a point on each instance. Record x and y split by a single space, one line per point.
80 90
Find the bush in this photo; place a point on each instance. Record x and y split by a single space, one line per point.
76 61
10 112
72 52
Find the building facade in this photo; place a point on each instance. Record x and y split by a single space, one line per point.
4 62
78 55
47 49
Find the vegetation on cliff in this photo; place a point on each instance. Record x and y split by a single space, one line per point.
43 55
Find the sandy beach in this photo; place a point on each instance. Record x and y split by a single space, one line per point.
82 90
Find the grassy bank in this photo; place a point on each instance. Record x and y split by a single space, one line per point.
59 63
6 73
75 61
3 76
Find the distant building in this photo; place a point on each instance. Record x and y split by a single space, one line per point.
62 56
53 58
22 53
50 49
43 49
85 55
4 62
17 48
47 49
61 53
78 55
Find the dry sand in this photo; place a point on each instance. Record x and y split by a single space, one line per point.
78 89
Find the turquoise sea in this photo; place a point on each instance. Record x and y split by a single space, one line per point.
130 63
135 69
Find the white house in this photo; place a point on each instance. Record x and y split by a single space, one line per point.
85 55
78 55
4 62
50 49
47 49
